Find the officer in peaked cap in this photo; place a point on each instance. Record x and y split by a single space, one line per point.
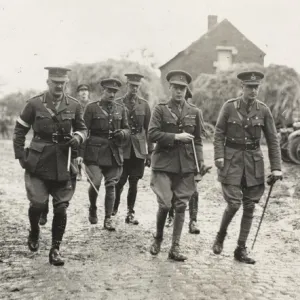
173 126
107 123
83 92
239 158
53 116
193 203
137 151
83 97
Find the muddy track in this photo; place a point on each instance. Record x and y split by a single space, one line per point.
103 265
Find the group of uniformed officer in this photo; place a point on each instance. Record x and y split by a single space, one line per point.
114 138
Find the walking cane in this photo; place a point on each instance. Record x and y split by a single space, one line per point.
262 216
69 153
90 180
198 177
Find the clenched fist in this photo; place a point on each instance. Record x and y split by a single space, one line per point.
219 163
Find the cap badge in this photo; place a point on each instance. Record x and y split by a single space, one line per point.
253 77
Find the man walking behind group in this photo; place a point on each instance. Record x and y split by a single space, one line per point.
138 149
83 92
53 116
239 158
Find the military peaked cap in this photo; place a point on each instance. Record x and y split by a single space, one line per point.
57 73
251 77
111 83
179 77
134 78
83 86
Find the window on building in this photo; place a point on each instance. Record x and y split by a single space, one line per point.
224 57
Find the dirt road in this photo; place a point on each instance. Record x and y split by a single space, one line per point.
103 265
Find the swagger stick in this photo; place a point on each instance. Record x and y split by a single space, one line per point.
69 153
198 177
262 216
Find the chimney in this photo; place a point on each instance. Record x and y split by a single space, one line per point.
212 21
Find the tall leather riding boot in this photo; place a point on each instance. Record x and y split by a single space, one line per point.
131 198
160 224
118 192
58 229
241 255
93 207
44 214
132 192
193 210
33 237
175 252
228 215
109 204
218 243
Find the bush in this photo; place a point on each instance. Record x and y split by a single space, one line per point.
151 88
280 91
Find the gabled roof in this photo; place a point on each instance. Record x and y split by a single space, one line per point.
203 38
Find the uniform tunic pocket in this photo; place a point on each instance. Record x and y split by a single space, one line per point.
99 122
189 123
35 151
140 117
234 128
257 124
228 156
117 121
43 122
258 164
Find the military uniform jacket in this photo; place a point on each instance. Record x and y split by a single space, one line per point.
101 148
43 157
237 126
169 155
138 113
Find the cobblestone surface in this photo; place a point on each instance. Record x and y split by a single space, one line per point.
103 265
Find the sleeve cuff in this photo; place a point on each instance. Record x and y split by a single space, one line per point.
81 135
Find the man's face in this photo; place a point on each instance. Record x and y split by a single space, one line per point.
56 88
132 89
250 91
178 91
83 95
109 94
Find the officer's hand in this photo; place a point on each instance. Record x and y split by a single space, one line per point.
184 137
276 175
119 134
75 141
79 160
148 160
22 161
204 169
219 163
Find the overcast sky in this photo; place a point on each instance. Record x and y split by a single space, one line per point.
38 33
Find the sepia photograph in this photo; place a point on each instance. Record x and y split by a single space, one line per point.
149 150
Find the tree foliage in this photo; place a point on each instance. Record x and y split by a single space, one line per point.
280 90
14 102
